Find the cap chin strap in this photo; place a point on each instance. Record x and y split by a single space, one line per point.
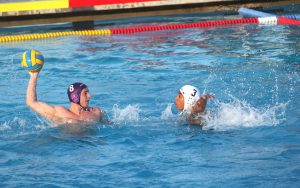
81 107
84 108
186 111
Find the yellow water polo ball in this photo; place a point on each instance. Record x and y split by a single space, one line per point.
32 60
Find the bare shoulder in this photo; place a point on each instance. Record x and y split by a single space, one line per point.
63 112
61 109
96 111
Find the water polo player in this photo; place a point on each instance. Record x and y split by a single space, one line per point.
192 105
79 96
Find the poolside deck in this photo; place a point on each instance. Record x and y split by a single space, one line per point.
22 12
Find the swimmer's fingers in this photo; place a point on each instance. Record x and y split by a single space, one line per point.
208 96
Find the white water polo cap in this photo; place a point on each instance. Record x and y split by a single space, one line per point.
191 95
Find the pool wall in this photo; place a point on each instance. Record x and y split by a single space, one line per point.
21 12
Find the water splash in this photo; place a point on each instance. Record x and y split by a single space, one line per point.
238 114
167 113
233 115
19 126
130 113
15 123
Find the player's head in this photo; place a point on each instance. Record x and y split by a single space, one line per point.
78 93
187 97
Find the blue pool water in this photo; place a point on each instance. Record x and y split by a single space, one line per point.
252 134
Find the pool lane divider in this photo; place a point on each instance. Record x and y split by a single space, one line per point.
117 31
247 12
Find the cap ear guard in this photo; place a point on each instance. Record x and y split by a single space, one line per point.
191 95
75 98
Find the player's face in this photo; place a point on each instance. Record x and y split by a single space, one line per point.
85 97
179 101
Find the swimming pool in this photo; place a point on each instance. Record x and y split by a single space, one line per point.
252 134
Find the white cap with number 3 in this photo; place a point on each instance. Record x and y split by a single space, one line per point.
191 96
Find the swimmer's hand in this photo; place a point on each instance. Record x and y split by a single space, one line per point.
207 97
201 104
